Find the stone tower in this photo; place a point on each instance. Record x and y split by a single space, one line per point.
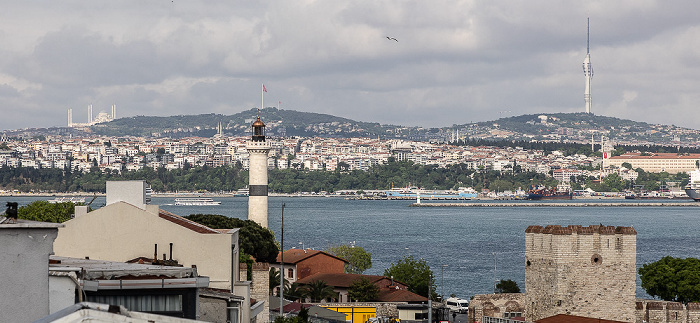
258 149
582 271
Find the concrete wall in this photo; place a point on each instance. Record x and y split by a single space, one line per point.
62 290
24 270
212 310
121 232
581 271
132 192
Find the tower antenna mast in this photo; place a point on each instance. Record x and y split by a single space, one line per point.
588 69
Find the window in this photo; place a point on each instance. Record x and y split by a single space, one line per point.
142 303
290 273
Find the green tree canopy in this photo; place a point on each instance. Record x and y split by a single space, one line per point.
254 240
672 279
294 292
358 259
507 286
319 290
415 273
363 290
47 212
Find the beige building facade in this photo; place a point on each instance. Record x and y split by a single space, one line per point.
657 162
127 228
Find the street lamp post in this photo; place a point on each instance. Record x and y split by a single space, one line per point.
282 266
494 272
442 277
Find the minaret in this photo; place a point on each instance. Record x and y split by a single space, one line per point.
89 114
258 149
588 69
70 117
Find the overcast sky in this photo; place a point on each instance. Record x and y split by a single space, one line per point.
455 62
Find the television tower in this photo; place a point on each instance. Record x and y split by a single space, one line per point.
588 69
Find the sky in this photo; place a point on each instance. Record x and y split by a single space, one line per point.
453 62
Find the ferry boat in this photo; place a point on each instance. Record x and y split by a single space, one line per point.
243 192
693 187
464 193
73 200
195 201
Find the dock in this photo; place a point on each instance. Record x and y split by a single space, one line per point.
563 204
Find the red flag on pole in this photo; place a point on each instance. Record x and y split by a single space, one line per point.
264 89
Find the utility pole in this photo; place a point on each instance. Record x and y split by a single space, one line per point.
282 266
494 273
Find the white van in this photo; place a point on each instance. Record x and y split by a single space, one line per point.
457 305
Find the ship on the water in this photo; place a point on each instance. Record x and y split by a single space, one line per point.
195 201
543 193
464 193
73 200
693 187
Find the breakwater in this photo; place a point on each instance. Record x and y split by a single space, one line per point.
564 204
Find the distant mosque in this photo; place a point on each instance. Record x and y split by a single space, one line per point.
101 117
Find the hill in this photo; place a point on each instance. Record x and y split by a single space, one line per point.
278 122
557 127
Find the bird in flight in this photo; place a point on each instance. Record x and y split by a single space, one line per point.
392 38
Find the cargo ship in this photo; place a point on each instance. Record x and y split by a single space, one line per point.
541 193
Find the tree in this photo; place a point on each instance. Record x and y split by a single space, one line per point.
254 240
47 212
626 165
294 292
363 290
415 273
358 259
507 286
275 280
318 290
672 279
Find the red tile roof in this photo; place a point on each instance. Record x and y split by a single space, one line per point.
337 280
399 295
194 226
563 318
294 256
385 294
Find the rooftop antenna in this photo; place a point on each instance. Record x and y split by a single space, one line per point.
588 69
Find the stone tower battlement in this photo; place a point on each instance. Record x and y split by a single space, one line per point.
586 271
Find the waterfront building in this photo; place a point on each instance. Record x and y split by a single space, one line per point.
656 162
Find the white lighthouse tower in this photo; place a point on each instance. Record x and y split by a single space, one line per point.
588 70
258 150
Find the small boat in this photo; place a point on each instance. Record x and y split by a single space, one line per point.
64 199
195 201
